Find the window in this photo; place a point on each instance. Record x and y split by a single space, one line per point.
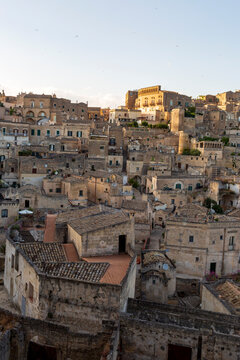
79 134
231 240
51 147
112 142
32 104
4 213
58 190
4 131
189 187
50 190
12 261
16 260
110 162
32 132
82 110
178 186
197 259
62 147
41 104
172 201
57 132
34 170
67 165
38 132
101 147
137 168
191 238
30 291
54 105
12 170
154 281
221 237
69 133
80 192
117 163
48 132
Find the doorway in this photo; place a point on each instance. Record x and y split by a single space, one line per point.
213 267
177 352
122 244
41 352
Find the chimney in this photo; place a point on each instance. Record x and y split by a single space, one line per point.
49 235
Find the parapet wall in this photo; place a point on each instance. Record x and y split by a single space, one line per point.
147 330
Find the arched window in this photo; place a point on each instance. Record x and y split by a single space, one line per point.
178 186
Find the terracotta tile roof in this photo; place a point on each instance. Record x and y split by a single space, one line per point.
84 271
47 252
98 221
153 257
229 292
71 252
117 270
49 235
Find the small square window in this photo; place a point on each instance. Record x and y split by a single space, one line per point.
58 190
102 147
50 190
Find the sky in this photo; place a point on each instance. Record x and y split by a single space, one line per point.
96 50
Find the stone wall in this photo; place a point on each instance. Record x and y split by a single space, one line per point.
147 329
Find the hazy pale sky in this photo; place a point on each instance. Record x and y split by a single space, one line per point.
95 50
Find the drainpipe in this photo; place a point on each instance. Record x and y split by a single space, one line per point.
223 251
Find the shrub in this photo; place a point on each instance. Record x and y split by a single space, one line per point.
193 152
209 203
208 138
145 123
133 182
225 140
190 111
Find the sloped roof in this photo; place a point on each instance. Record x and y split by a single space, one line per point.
98 221
135 205
84 271
44 252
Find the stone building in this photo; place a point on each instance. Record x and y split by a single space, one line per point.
8 211
222 296
158 276
201 243
38 107
92 289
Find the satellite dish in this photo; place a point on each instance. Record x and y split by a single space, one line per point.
165 267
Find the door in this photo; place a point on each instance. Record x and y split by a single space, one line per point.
212 267
122 244
177 352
